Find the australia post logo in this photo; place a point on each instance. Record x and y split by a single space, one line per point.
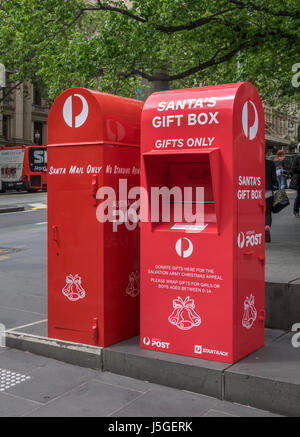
184 247
250 120
75 113
249 239
156 342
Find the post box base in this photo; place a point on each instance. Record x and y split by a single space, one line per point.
210 355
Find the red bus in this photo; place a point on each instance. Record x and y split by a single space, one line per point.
23 168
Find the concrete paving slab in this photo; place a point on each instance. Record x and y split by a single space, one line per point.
167 402
51 380
21 362
215 413
268 379
273 334
176 371
11 406
282 305
238 410
125 382
92 399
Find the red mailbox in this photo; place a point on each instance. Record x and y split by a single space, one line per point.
93 267
202 285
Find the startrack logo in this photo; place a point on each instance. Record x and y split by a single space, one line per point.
199 350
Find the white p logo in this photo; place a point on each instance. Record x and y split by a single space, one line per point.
68 111
146 341
251 131
241 240
187 252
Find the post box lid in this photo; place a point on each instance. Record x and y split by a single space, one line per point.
81 117
202 118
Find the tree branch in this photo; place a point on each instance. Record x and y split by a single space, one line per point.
193 24
267 10
202 66
101 7
164 29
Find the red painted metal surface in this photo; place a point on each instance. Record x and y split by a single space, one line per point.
94 141
202 291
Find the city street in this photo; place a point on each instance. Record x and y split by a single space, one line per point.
158 282
23 268
35 209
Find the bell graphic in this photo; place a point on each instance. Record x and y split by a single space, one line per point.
184 315
73 289
250 313
133 288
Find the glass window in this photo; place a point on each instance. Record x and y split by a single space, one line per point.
38 133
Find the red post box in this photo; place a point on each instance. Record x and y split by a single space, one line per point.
93 267
202 285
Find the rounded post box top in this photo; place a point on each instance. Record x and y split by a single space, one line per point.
81 117
202 118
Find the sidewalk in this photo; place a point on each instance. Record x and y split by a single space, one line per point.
283 254
33 386
283 270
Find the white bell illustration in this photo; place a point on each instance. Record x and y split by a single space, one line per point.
73 289
250 313
133 288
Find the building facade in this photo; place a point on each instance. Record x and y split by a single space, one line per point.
23 117
282 129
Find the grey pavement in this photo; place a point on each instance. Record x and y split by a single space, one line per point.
283 253
270 378
41 387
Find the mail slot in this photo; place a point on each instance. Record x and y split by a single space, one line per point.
93 265
202 243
